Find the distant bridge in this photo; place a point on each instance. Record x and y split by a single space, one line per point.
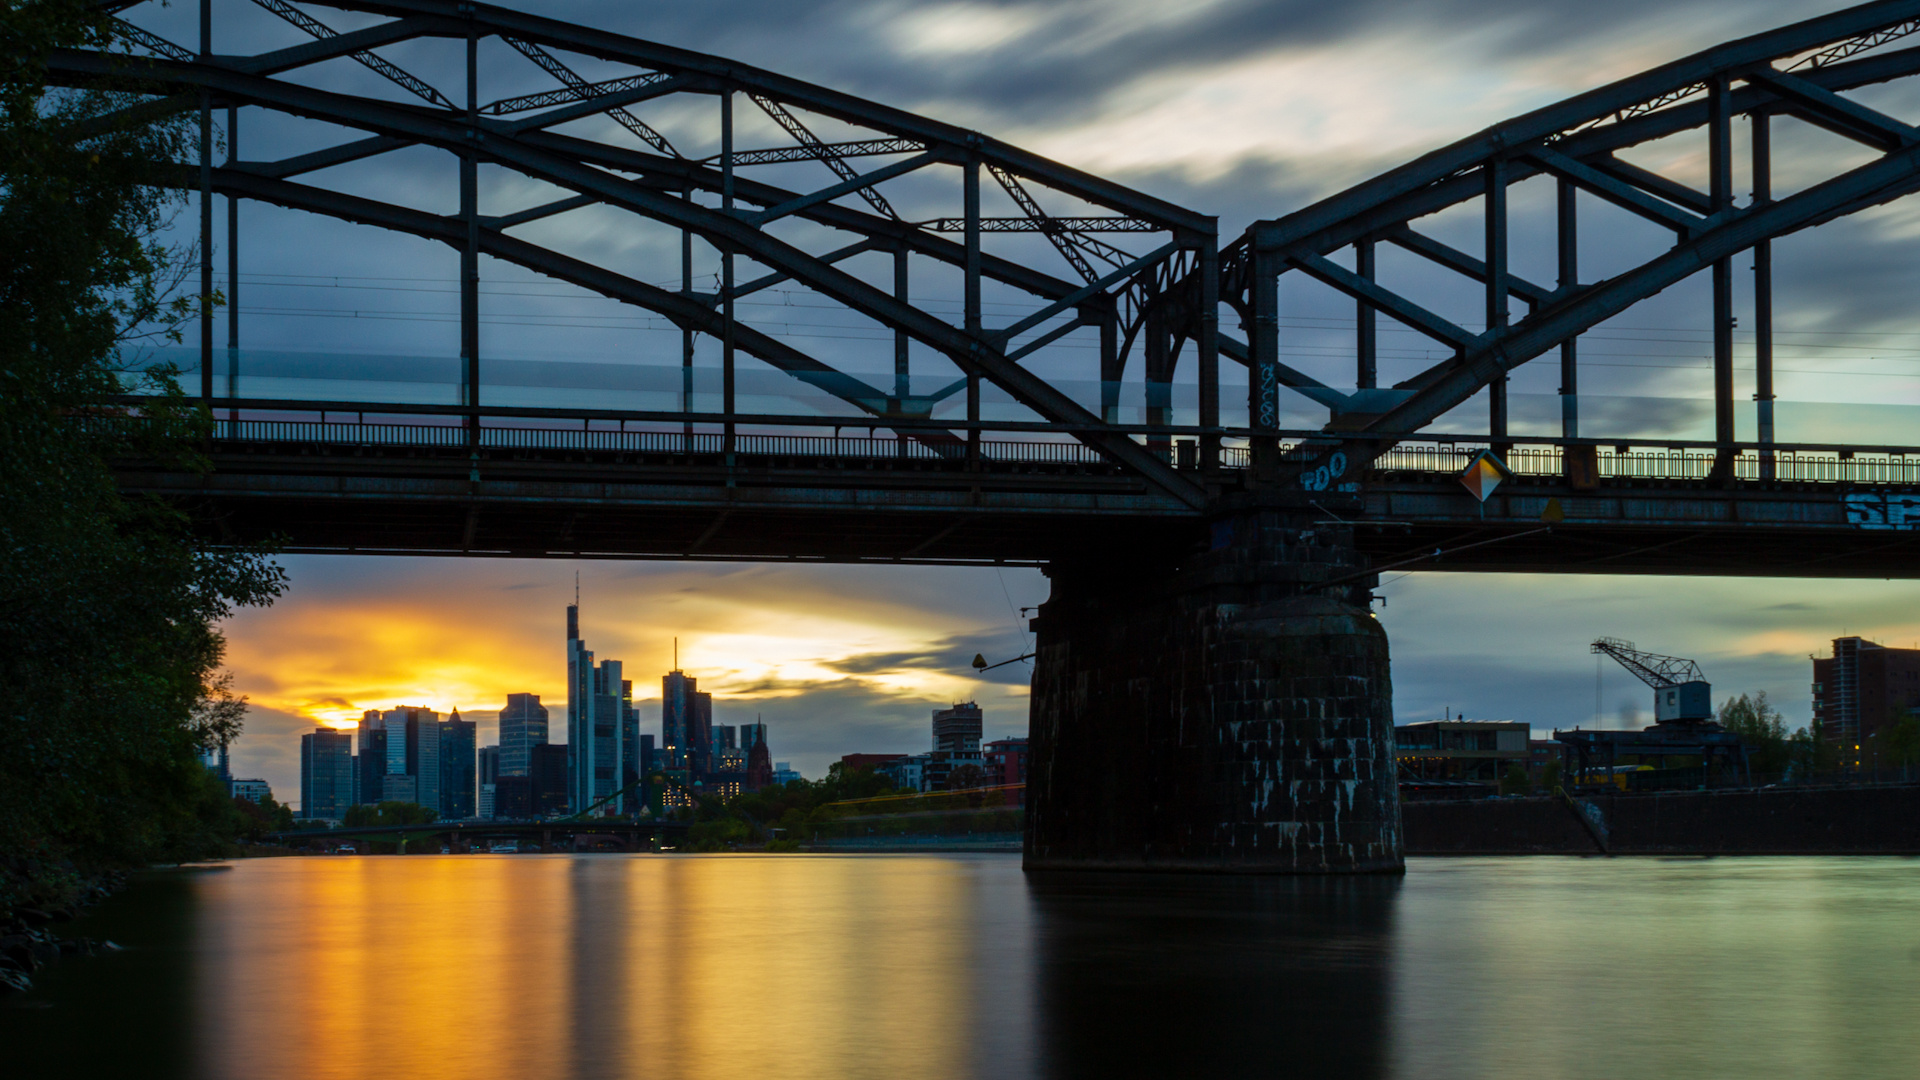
1023 363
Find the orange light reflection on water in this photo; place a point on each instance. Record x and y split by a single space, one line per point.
460 966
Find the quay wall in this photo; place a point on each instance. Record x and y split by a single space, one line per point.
1877 820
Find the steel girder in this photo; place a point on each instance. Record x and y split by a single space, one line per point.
658 185
1801 71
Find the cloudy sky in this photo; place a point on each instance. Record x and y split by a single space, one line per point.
1241 108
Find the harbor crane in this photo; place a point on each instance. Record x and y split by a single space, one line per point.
1684 727
1681 693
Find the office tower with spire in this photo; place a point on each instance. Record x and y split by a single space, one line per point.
686 722
597 702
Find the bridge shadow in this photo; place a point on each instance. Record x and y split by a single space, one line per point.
1177 975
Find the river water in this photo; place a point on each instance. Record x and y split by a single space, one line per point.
796 966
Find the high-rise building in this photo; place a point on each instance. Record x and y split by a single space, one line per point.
700 734
633 761
548 788
598 700
370 740
219 764
750 734
957 730
487 764
725 755
956 745
513 795
1859 692
413 756
457 768
326 774
677 691
523 726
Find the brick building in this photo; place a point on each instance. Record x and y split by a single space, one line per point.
1860 691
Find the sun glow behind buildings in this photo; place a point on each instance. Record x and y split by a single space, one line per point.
835 659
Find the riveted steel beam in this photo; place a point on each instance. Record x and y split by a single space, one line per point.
1880 181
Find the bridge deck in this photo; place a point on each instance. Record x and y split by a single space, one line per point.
585 492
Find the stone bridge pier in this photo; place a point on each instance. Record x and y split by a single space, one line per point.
1210 711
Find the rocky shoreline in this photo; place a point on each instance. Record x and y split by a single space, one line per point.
28 943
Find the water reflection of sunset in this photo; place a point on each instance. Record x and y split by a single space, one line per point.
556 966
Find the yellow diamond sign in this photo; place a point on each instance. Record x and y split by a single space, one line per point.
1484 475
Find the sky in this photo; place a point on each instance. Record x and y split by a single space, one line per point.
1242 108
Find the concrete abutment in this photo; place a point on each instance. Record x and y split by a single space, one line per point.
1214 711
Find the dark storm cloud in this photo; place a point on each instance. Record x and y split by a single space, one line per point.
1076 53
954 655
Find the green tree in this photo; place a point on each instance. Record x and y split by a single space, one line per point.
1515 782
1900 743
109 606
1810 754
1762 728
389 813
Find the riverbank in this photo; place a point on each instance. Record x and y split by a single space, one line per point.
47 896
1872 820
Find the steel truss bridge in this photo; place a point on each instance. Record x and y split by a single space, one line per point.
1041 302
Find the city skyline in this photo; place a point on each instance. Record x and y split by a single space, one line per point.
1489 647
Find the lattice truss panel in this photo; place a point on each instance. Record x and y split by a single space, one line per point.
973 257
1809 73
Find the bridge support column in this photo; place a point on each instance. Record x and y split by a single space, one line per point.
1203 714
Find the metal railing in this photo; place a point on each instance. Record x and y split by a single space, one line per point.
1440 458
1664 464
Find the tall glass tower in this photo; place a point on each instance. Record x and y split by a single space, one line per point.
597 702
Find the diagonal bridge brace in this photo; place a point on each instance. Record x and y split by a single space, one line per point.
1446 386
976 353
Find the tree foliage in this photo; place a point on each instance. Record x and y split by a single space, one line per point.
1900 742
1762 728
1515 780
390 813
109 606
789 807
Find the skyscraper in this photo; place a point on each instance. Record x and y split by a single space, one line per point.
579 694
700 734
371 742
633 760
597 702
547 786
488 764
457 766
677 690
326 774
721 742
523 726
413 756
